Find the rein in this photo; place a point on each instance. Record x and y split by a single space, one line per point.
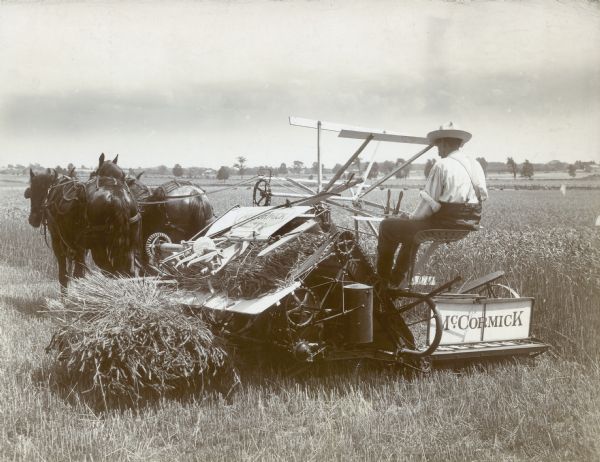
49 217
169 198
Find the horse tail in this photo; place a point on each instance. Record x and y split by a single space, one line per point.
119 234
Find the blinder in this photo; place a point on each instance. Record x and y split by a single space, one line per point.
27 193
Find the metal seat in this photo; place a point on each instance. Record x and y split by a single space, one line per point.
436 237
441 235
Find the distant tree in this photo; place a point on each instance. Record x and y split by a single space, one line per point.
241 165
335 168
428 166
177 170
512 167
571 169
282 170
315 168
484 164
556 166
70 167
386 167
579 165
193 172
60 170
162 170
374 173
298 166
223 173
405 171
527 169
265 170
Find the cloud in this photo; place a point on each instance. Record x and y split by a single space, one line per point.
555 94
148 73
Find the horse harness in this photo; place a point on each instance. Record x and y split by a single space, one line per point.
72 191
162 191
160 198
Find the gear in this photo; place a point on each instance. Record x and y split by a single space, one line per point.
345 245
152 243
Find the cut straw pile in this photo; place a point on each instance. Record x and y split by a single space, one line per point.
251 276
126 340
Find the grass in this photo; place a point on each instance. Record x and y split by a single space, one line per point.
548 410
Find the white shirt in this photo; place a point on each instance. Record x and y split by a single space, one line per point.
449 181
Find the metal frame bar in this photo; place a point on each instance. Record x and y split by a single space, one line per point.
391 174
342 170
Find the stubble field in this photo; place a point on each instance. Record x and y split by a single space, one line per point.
549 410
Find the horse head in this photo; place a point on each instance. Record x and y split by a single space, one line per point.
37 192
109 168
139 190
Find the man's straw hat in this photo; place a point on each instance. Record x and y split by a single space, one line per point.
448 130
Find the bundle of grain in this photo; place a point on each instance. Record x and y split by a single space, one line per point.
127 339
250 275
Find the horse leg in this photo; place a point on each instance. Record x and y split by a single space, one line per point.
61 259
62 272
137 250
101 259
79 264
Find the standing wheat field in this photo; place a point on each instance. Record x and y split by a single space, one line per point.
548 409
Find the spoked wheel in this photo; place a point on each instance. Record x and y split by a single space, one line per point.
420 326
261 196
301 307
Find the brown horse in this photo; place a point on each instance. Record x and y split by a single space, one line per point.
114 222
100 215
58 202
177 208
113 225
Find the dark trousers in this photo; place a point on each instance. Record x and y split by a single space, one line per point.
392 233
401 231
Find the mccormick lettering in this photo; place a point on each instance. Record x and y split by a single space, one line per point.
464 322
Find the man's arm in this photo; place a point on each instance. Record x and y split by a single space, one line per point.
479 180
428 204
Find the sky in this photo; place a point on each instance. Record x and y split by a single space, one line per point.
203 82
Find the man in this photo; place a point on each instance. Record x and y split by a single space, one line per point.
451 199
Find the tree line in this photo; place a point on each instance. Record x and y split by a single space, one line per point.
526 169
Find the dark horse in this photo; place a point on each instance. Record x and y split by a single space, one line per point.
114 222
58 202
100 215
177 208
